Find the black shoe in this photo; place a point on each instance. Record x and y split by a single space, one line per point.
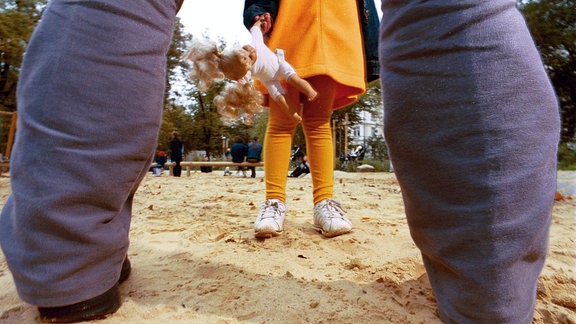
95 308
98 307
125 272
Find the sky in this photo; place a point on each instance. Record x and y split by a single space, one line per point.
221 18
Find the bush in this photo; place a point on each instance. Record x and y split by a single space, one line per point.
379 165
567 156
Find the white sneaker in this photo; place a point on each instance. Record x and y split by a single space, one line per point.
329 218
270 220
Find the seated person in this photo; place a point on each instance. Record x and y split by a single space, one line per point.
206 169
160 161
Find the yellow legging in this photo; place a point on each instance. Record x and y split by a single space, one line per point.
316 123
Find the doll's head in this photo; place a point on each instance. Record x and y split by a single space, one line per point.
236 62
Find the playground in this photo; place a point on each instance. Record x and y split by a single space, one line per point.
200 262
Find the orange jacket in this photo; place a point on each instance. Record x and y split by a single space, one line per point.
323 37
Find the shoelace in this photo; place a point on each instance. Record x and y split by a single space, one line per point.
271 209
334 209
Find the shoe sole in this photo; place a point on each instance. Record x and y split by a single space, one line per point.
95 308
267 234
331 234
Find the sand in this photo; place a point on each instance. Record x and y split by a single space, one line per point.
195 258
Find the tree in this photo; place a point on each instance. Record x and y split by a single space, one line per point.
176 67
553 27
207 129
197 119
370 101
17 21
378 148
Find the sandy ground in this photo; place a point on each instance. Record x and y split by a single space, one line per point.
200 263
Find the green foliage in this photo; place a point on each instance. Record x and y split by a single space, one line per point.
197 119
553 27
370 101
567 156
260 124
175 66
378 148
17 21
378 164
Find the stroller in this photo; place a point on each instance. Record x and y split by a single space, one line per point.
354 155
296 156
302 169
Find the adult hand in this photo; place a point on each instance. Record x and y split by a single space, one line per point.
266 22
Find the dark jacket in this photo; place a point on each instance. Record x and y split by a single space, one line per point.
368 18
370 29
238 151
254 8
161 160
176 150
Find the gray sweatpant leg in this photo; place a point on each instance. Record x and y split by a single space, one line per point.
472 125
90 106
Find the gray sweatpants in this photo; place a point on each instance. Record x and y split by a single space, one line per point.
472 125
90 106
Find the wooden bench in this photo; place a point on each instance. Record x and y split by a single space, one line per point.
196 164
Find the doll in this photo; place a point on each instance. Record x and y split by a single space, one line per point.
239 99
259 61
239 64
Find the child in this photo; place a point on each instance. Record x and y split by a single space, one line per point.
268 67
160 161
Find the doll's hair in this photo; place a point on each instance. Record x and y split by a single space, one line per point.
239 101
235 63
204 56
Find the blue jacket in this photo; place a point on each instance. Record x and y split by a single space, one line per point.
254 151
238 151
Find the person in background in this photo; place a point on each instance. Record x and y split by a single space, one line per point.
228 154
160 161
472 125
239 151
206 168
254 154
176 153
91 84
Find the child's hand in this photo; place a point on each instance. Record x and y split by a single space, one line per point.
265 22
296 118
